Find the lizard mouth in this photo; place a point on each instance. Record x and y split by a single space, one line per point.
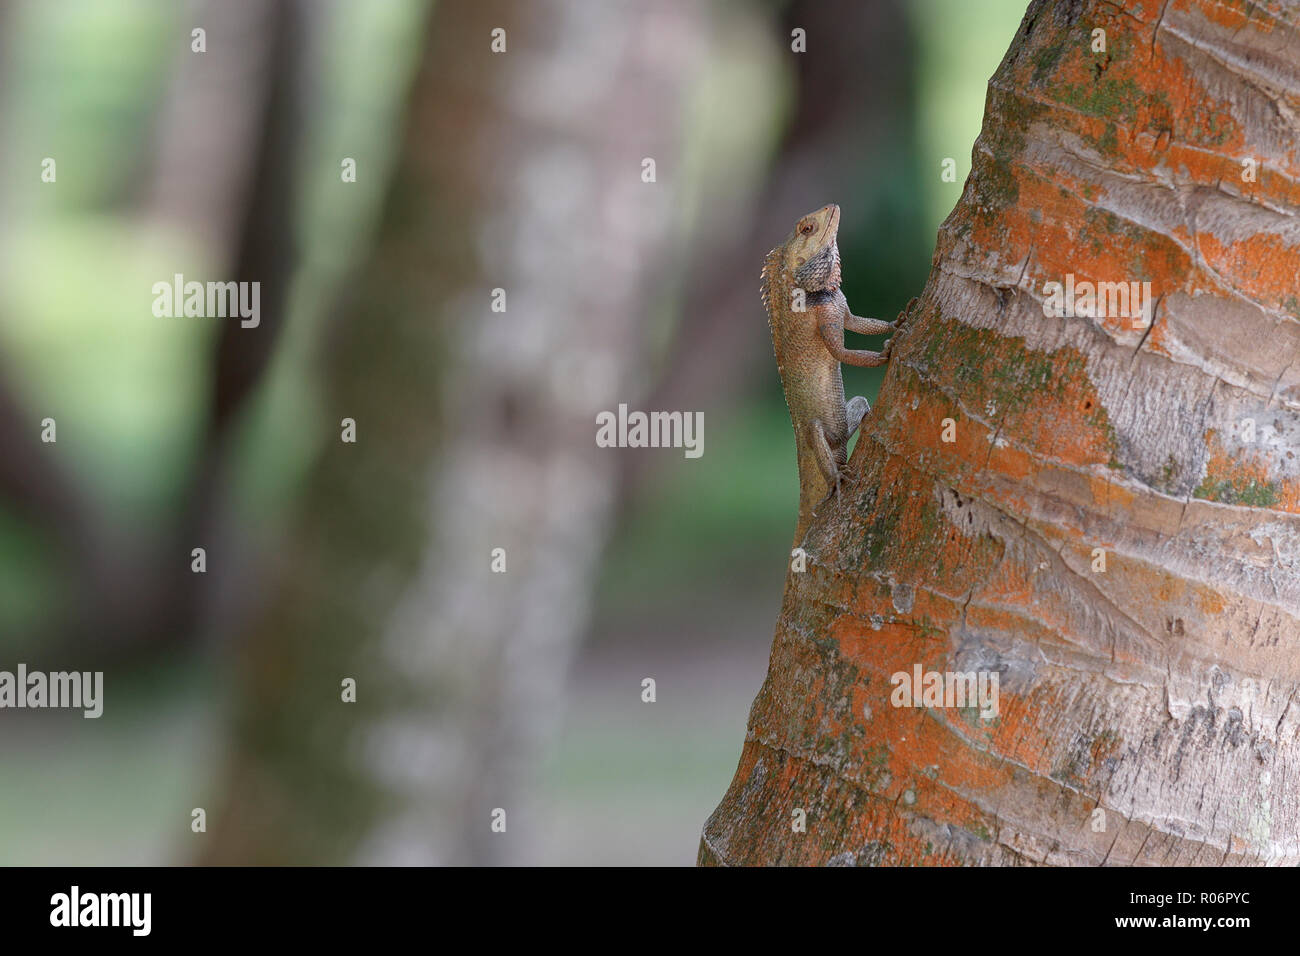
832 221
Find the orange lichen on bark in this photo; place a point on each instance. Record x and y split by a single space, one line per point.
994 405
1243 478
1260 266
1028 495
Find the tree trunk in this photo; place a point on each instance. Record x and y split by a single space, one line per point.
475 437
1100 511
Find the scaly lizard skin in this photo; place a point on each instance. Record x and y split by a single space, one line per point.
808 337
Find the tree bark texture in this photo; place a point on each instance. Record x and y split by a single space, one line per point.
1162 689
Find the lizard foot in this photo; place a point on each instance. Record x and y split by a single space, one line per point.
898 323
906 313
842 477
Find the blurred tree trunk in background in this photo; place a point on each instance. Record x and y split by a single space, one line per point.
520 171
1158 687
249 91
209 128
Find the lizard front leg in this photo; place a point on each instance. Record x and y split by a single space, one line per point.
862 358
863 326
856 323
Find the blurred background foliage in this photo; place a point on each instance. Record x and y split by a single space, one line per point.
691 579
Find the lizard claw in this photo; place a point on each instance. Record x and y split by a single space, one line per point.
901 320
841 479
906 313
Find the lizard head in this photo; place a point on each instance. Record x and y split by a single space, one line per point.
812 254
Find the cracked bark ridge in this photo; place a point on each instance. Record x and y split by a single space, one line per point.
1161 690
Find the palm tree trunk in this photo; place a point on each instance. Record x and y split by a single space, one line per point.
1100 511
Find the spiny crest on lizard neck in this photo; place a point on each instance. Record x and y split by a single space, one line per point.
809 258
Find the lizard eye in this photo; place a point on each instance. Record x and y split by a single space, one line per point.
806 228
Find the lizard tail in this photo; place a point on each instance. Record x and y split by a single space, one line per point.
812 491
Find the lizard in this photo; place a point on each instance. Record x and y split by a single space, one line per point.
807 315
